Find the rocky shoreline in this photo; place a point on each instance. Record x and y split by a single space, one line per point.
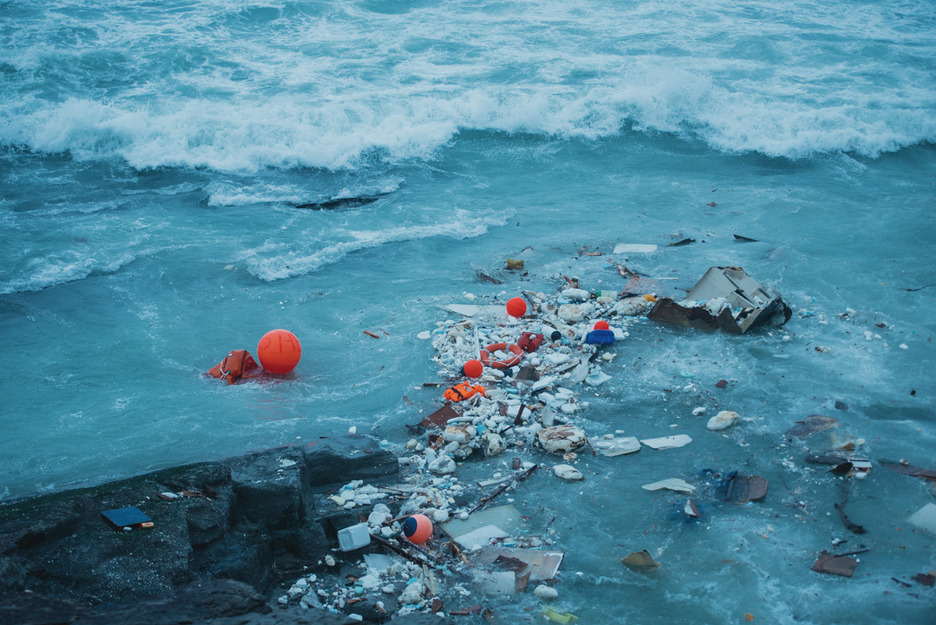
255 539
225 535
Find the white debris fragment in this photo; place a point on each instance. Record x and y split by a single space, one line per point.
611 446
443 465
634 248
596 378
568 472
546 592
575 295
722 421
673 483
667 442
560 439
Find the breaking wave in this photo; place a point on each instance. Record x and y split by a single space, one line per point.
277 261
284 87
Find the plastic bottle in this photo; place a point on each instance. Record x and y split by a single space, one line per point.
550 332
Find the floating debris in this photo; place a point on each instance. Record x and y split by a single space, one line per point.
836 565
673 483
725 298
810 425
640 561
667 442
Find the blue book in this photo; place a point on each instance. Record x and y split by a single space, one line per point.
126 519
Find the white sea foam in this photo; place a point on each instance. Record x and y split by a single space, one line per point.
276 261
45 272
333 91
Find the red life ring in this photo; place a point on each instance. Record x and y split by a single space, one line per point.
513 348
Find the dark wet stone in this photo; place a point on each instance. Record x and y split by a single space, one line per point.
247 523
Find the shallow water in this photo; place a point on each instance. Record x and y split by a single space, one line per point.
152 158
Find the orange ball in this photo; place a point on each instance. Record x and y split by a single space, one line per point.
473 368
279 351
516 307
417 528
602 325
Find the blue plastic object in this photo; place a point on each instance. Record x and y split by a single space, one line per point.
600 337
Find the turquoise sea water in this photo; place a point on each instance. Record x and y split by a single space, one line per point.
152 156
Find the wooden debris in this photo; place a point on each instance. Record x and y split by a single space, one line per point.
511 483
373 335
475 609
908 469
412 553
640 561
810 425
836 565
742 489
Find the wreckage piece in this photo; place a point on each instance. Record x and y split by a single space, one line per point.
516 480
541 565
561 439
475 609
908 469
563 618
725 298
674 483
842 465
440 417
840 508
611 446
481 536
850 525
640 561
691 510
634 248
925 518
505 518
410 552
836 565
474 310
494 583
810 425
742 489
667 442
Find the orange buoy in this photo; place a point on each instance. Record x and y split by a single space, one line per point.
516 307
602 325
417 528
279 351
506 363
473 368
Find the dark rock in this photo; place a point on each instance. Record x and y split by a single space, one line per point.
211 602
252 519
337 461
31 609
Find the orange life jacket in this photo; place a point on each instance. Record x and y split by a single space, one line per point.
463 391
236 365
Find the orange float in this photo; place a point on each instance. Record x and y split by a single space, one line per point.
473 368
279 351
417 528
516 307
506 363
